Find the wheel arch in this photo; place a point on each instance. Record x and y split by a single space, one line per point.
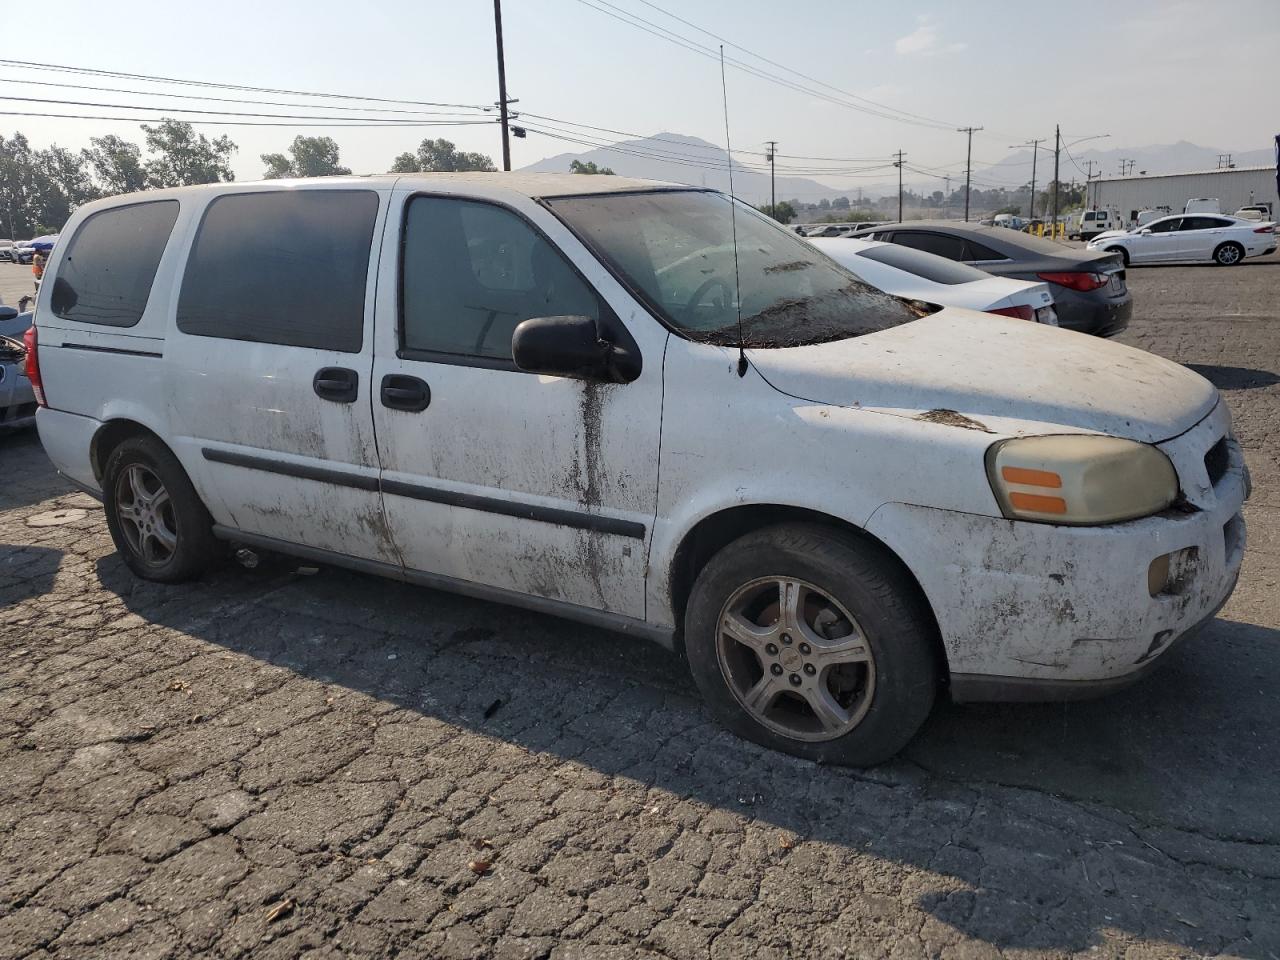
110 435
1231 243
717 530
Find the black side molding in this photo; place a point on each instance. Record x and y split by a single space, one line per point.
301 471
98 349
413 491
525 511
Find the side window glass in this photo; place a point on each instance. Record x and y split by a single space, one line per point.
1165 226
936 243
105 276
472 272
284 267
976 251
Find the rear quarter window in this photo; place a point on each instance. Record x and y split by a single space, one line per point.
286 267
106 274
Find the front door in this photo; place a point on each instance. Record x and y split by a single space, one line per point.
1160 244
269 366
541 485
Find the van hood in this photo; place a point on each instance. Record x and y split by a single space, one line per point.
1000 374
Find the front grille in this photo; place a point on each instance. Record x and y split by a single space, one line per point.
1217 460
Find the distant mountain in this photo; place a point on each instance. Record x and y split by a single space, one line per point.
682 159
1180 157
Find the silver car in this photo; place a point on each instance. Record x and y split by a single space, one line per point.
17 399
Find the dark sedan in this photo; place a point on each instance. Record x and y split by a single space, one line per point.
1089 289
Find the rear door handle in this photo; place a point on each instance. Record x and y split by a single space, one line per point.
337 384
403 392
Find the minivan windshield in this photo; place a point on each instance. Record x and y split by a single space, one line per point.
675 248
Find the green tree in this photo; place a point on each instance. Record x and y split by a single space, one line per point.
840 203
39 189
783 212
440 156
577 166
182 157
117 164
310 157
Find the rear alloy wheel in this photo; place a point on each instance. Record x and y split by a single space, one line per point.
158 523
813 641
1228 255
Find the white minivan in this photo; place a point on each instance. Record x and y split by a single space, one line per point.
648 408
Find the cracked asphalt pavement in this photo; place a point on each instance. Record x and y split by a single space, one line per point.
274 764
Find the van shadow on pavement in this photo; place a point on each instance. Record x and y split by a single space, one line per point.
1151 812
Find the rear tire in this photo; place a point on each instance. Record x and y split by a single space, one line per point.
1228 254
158 523
813 642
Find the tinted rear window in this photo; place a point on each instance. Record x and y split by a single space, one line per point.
287 268
105 277
926 265
939 244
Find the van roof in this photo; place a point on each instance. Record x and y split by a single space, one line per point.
534 185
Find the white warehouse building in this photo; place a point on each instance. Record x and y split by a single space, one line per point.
1235 188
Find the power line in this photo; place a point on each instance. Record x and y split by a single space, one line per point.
782 66
224 113
344 122
92 71
200 96
648 26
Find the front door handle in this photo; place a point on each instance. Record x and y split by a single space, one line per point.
337 384
403 392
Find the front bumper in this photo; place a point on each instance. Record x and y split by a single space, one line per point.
1037 611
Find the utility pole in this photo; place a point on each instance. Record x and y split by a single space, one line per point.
1224 161
1089 199
898 164
1035 152
502 86
773 196
1057 149
968 166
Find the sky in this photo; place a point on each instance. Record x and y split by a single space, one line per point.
1136 70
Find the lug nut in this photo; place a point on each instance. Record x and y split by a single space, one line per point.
806 649
786 639
771 649
795 679
809 669
777 669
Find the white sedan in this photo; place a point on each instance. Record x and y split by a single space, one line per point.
1190 238
917 275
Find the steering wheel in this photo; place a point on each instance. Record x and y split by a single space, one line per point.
702 292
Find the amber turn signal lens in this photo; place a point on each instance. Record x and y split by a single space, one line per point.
1031 478
1037 503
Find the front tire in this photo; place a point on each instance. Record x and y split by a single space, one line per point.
1124 254
813 642
158 523
1228 255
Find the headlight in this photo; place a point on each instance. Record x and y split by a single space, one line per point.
1080 479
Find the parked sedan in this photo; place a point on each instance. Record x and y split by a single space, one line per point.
1190 239
17 399
23 251
916 275
1089 290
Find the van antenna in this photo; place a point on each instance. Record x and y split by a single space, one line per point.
733 221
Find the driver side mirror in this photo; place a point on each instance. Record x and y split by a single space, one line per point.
1144 232
572 347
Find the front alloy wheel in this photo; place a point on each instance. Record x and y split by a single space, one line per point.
796 659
